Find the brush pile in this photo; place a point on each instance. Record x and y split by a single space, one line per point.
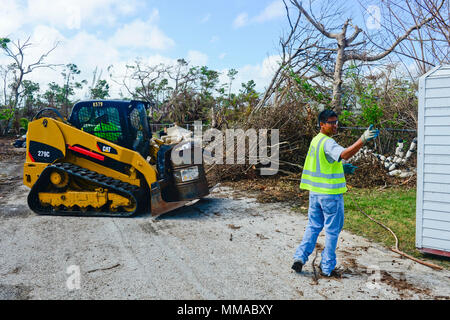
296 125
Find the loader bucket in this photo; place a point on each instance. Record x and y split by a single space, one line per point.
188 193
159 206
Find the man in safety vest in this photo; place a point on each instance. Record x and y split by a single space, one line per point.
323 176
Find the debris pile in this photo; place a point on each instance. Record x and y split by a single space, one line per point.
376 169
370 173
296 127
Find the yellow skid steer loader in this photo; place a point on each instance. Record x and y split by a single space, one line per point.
103 161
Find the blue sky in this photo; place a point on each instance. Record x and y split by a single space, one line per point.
239 34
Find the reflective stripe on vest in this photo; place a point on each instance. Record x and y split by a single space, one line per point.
318 174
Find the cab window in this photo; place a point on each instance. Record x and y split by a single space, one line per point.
104 122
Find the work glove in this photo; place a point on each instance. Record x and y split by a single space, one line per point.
369 134
349 168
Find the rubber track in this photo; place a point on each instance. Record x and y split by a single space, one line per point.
113 185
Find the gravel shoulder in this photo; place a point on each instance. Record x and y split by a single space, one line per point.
226 246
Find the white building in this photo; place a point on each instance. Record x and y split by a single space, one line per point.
433 163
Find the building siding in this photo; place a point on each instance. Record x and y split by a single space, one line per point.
433 161
433 243
436 224
435 215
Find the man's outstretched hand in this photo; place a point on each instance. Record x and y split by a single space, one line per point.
369 134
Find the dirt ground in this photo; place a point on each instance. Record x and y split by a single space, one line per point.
226 246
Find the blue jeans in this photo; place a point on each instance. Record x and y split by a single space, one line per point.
324 210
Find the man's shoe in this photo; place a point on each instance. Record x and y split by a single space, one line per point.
333 274
297 266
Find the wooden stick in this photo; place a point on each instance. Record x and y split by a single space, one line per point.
396 250
428 264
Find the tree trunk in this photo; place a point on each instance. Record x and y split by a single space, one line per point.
337 82
213 118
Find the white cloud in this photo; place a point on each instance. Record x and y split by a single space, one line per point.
64 14
128 7
241 20
154 16
156 59
55 13
85 50
91 51
197 58
12 17
274 10
222 55
206 18
142 34
260 73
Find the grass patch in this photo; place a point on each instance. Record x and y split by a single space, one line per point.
394 207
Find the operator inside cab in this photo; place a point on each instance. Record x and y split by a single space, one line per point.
106 129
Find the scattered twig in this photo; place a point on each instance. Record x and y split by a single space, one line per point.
103 269
261 236
383 187
316 277
405 182
290 179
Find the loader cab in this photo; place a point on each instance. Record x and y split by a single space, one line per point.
124 123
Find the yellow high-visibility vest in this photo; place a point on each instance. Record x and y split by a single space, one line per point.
318 174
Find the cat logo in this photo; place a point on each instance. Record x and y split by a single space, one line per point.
105 148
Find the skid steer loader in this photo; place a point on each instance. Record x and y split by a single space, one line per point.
103 161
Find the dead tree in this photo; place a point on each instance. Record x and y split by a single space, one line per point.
429 46
16 51
349 42
17 54
168 88
297 54
142 81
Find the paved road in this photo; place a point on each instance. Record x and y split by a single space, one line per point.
226 246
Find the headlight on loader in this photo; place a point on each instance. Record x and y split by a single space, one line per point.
187 174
